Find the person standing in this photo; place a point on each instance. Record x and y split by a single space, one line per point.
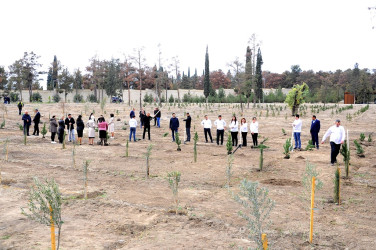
174 125
158 115
20 106
234 128
146 125
111 126
36 121
69 122
142 115
133 126
102 129
132 114
207 128
254 131
155 117
337 137
53 128
61 130
244 131
27 122
315 129
91 131
297 128
92 117
221 126
188 121
80 128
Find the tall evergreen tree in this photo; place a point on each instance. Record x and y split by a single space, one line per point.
259 63
207 85
49 80
78 82
54 74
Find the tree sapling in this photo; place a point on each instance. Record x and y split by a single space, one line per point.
44 130
173 181
195 139
178 141
147 157
345 152
287 148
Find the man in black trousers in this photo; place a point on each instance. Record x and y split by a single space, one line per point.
188 127
36 121
315 129
146 125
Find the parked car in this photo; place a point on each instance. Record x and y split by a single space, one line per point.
116 99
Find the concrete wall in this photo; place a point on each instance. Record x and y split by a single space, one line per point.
134 94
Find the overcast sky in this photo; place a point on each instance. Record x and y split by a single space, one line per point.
318 35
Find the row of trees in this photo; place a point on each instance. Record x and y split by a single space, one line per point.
247 79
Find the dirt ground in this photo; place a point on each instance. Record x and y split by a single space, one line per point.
127 211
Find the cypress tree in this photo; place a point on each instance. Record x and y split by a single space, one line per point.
258 90
207 86
54 73
49 80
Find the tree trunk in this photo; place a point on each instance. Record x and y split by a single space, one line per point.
129 95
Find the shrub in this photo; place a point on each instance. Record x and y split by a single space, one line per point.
345 152
178 141
78 98
359 148
258 205
148 98
44 130
229 144
310 145
92 98
14 97
262 146
287 148
362 137
56 98
171 99
36 97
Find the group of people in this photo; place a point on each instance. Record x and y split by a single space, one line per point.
68 123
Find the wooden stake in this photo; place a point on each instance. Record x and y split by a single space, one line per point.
312 205
53 243
339 186
264 241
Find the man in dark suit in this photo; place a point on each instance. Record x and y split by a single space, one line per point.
36 121
315 129
188 127
146 125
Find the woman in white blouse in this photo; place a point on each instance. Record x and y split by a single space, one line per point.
244 130
254 131
111 126
234 128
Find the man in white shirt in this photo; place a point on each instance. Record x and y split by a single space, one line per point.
207 127
297 128
337 137
133 126
221 126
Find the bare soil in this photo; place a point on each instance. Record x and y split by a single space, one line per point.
125 210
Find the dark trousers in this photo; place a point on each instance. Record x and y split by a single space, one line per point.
188 133
220 133
36 128
335 151
155 121
315 139
244 136
206 132
254 139
53 134
26 129
19 111
173 131
60 135
143 135
234 137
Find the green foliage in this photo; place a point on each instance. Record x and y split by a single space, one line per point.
359 148
262 146
258 206
173 181
2 125
178 141
296 96
36 97
229 144
78 98
195 139
283 131
165 134
287 148
336 186
45 201
230 161
207 83
364 109
171 99
92 98
370 138
147 157
148 98
14 97
44 130
310 146
56 98
362 137
345 152
310 171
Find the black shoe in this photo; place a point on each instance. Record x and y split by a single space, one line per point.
295 148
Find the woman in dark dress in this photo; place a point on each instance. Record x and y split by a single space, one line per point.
80 128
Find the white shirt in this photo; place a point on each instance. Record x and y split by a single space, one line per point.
206 123
297 125
337 134
244 127
221 124
234 126
133 123
254 127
